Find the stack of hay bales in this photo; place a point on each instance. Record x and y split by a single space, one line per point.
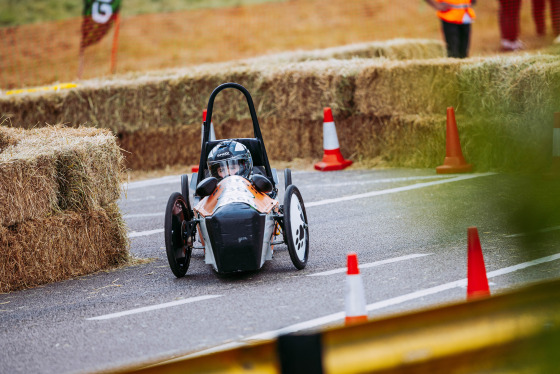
157 115
389 100
58 211
504 105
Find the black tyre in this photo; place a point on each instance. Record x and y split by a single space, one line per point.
296 229
287 178
185 190
177 217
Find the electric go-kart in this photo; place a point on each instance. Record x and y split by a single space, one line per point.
237 220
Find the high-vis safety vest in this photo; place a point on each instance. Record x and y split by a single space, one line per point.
460 11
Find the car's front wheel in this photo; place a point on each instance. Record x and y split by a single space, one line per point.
295 227
177 217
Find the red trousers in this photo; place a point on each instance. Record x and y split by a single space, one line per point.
538 16
509 19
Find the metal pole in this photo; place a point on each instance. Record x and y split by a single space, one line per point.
115 44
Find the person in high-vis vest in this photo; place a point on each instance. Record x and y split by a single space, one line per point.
456 17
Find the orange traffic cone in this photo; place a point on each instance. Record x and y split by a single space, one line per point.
477 282
355 299
554 171
194 169
454 161
332 158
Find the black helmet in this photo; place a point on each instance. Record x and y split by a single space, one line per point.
230 158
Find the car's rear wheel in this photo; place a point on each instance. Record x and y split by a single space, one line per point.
295 227
177 245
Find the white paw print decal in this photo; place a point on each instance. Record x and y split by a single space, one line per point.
300 231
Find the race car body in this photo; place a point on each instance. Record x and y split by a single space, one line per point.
236 218
236 226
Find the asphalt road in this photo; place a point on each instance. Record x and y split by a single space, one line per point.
408 227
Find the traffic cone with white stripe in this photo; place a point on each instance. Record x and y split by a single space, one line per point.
554 172
454 161
355 299
332 158
477 281
194 169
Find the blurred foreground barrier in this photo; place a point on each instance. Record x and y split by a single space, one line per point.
517 332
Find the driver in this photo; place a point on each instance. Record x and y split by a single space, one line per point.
229 158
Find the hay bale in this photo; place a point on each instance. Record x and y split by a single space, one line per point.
59 247
157 101
88 170
481 86
277 90
413 49
161 146
516 85
284 140
177 97
9 137
408 88
412 141
508 143
399 49
87 162
59 219
510 103
28 187
287 139
300 91
293 90
45 170
396 49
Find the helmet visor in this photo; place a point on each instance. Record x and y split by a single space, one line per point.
225 168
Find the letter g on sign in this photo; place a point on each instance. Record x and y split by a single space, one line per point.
101 11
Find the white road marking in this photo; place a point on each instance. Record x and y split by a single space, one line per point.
153 182
464 286
386 180
134 234
394 190
153 307
372 264
143 215
536 232
143 198
523 265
